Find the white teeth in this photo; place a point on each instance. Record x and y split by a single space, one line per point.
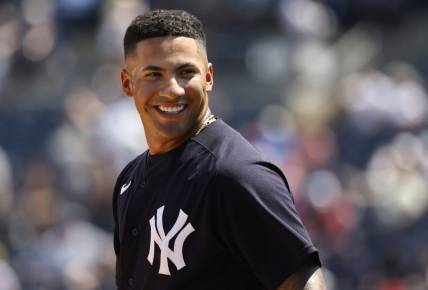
171 109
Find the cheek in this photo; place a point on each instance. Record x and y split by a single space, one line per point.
141 89
143 92
198 87
141 98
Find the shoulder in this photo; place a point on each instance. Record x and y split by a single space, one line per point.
238 168
256 177
227 145
132 166
238 163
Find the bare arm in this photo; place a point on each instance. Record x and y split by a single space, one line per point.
309 277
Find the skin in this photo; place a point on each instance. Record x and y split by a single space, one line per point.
310 277
168 72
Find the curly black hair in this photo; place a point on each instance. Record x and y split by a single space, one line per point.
162 22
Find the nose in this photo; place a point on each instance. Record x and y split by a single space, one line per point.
172 88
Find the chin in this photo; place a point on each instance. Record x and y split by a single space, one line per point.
176 130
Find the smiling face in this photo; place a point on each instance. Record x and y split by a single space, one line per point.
169 79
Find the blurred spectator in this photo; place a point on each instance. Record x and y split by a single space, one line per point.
6 186
9 279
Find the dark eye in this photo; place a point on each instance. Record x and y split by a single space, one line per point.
152 75
187 72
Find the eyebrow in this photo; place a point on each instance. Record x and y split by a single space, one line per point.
152 67
157 68
187 64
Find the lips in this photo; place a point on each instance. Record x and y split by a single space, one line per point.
171 109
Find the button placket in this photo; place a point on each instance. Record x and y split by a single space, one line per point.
131 282
135 232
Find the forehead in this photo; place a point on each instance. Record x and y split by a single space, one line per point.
166 50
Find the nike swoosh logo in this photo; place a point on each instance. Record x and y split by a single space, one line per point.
125 187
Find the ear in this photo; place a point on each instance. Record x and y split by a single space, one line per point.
127 87
209 78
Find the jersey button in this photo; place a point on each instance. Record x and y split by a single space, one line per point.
134 232
131 282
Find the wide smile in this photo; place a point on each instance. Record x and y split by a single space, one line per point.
171 110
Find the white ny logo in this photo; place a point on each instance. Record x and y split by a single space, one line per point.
157 235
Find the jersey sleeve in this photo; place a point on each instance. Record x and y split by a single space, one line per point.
259 224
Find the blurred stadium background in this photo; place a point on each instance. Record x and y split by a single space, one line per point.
334 92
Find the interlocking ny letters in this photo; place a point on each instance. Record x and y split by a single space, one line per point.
157 235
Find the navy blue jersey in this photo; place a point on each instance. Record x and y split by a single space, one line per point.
210 214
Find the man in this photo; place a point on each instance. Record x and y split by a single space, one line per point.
200 209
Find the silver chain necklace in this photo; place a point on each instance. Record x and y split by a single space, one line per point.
208 120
